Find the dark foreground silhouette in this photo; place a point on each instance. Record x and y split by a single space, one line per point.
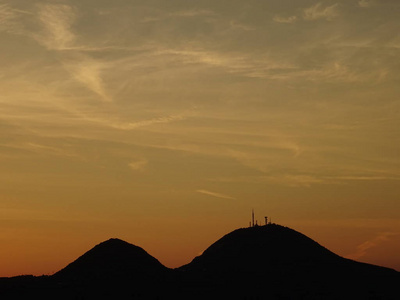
262 262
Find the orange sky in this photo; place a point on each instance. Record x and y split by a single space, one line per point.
164 123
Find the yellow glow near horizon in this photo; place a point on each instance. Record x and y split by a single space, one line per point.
164 122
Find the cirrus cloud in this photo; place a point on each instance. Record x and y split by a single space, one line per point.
318 11
214 194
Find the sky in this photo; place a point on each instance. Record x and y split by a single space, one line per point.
164 123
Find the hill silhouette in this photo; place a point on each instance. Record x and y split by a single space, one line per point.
262 262
113 269
278 262
253 249
113 259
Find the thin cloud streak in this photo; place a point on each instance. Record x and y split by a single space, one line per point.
301 180
364 248
178 14
145 123
242 64
216 195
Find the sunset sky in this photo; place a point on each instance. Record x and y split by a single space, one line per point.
165 122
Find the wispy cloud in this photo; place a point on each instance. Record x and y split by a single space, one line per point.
365 178
240 26
49 150
144 123
337 71
138 165
58 35
288 180
9 19
295 180
239 63
365 3
88 71
39 149
289 20
57 20
318 11
301 180
190 13
315 12
363 248
6 14
216 195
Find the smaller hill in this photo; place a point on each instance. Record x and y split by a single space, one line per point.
113 269
113 260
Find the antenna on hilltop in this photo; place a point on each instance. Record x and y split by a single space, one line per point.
254 223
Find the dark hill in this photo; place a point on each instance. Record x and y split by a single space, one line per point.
112 259
279 262
113 269
258 248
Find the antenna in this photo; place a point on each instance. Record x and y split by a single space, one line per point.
252 217
266 220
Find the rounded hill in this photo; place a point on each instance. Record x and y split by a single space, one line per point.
113 259
256 248
277 262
